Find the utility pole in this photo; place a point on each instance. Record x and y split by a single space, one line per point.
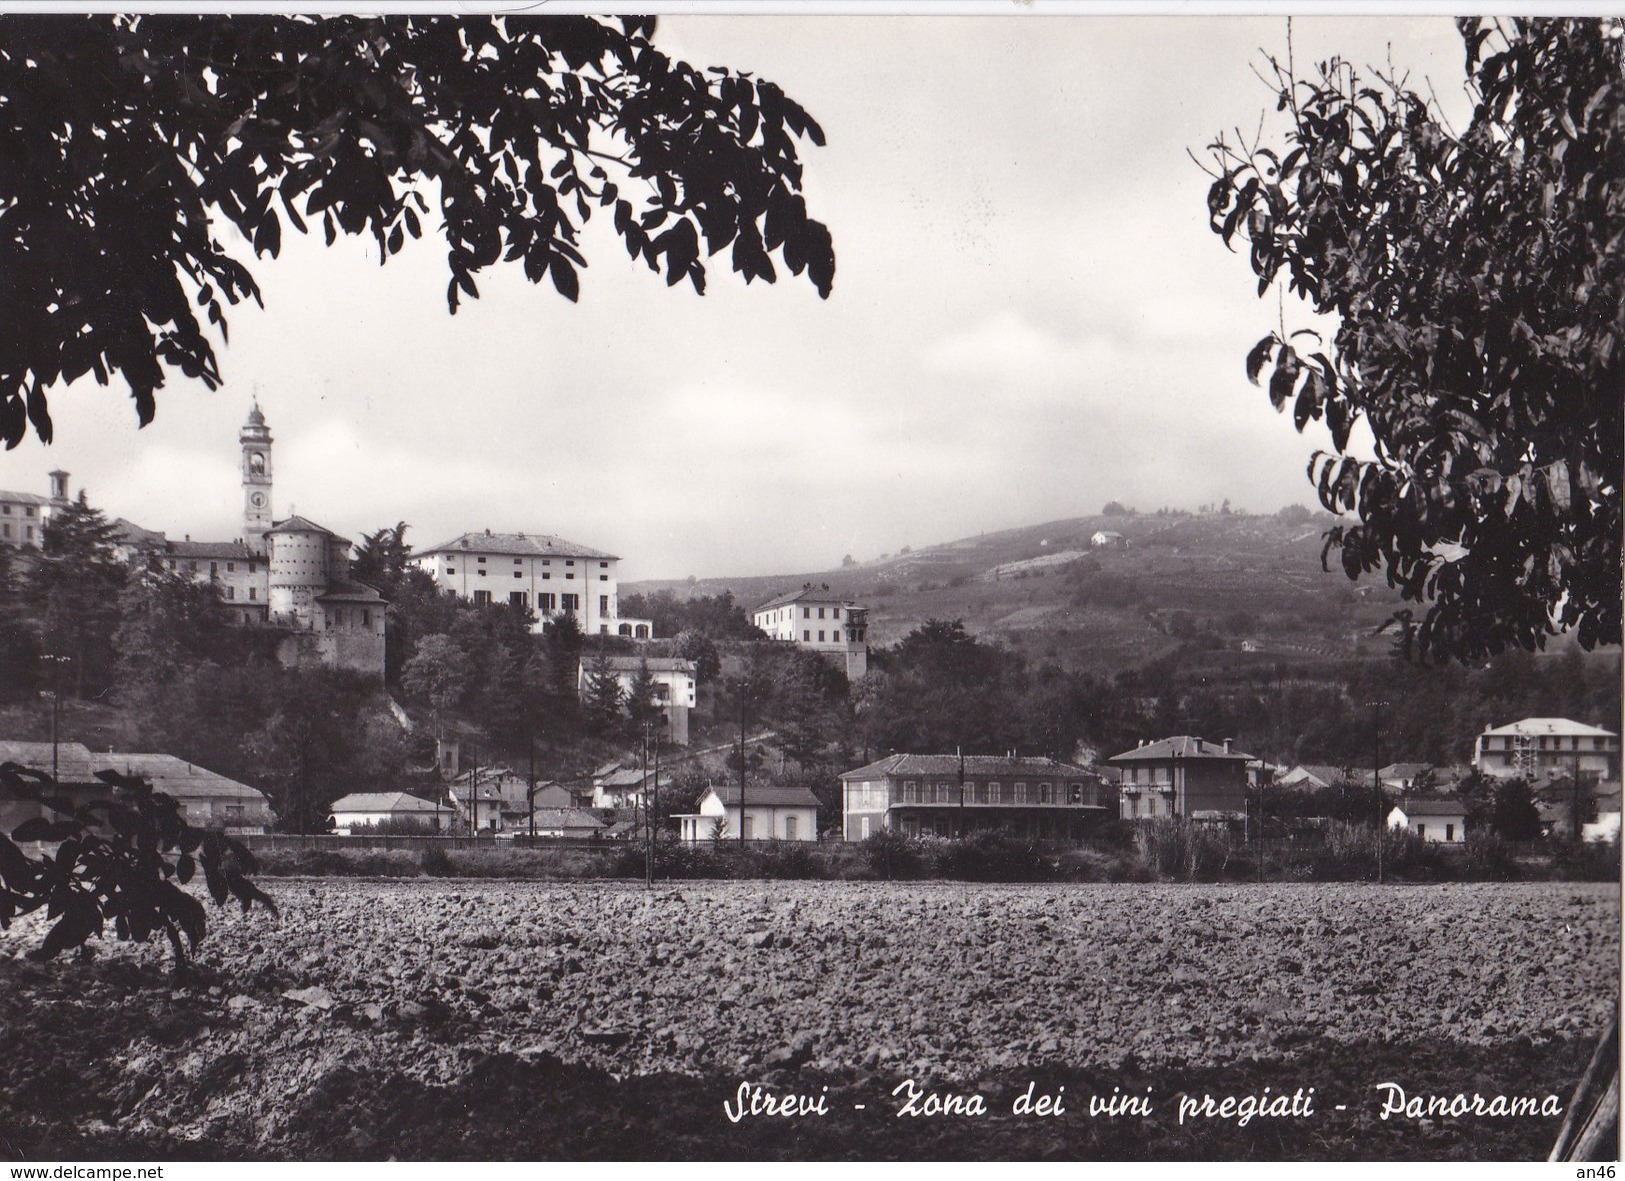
648 804
1576 801
960 751
56 663
743 683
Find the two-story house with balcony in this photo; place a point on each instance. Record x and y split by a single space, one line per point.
1539 748
1184 777
953 795
821 621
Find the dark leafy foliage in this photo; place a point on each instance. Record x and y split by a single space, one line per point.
1478 280
122 860
716 617
72 586
128 143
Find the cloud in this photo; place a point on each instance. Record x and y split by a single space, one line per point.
1010 350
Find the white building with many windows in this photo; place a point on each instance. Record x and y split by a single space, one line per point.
1539 748
551 576
817 619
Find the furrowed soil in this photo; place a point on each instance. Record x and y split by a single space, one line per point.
497 1020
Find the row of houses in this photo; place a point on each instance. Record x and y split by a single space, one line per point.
207 800
1183 777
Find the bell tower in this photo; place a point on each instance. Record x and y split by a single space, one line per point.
256 442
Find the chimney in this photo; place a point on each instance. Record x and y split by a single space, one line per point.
1228 742
1198 746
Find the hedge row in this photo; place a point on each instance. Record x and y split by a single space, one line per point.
1161 850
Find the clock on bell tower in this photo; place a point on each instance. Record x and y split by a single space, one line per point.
256 442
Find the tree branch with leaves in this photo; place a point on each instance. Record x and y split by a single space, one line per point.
128 143
1477 283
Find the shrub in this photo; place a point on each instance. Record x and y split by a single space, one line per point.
1085 863
784 860
890 855
366 863
1348 853
1182 851
1588 861
991 856
1489 858
436 862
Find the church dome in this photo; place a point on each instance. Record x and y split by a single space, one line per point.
255 418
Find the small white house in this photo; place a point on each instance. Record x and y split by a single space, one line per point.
1442 820
1106 538
379 807
771 813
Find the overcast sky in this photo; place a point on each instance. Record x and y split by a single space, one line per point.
1030 318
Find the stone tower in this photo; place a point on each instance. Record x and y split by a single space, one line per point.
256 442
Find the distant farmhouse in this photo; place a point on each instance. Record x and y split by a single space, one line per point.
951 796
821 621
551 576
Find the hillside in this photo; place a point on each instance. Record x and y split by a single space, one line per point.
1248 586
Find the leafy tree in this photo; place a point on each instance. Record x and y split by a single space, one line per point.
642 704
381 559
73 587
439 674
803 697
717 617
1513 815
19 640
1478 283
131 142
702 650
317 742
601 697
168 624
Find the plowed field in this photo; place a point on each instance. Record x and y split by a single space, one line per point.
504 1019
